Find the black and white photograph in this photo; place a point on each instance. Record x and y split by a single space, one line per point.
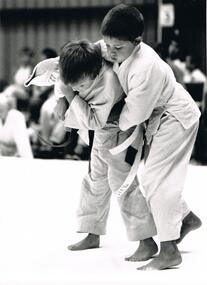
103 142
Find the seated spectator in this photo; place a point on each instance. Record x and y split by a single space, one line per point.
192 73
52 129
40 93
174 61
48 53
49 130
14 139
26 57
195 82
49 134
3 84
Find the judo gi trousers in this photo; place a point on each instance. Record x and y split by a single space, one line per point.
107 173
164 175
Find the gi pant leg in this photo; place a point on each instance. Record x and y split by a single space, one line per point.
135 213
95 197
164 175
107 174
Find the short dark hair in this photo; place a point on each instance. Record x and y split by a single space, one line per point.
26 51
79 59
49 52
124 22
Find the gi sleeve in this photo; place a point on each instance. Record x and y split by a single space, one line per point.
61 90
104 52
145 89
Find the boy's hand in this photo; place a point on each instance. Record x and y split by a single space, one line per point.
61 107
68 93
62 90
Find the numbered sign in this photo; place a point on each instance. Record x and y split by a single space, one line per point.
167 15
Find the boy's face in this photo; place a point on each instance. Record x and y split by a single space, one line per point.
82 84
118 50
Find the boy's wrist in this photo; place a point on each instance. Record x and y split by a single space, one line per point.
59 99
69 97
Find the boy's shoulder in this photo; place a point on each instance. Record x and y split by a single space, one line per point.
144 58
107 64
107 68
109 76
146 54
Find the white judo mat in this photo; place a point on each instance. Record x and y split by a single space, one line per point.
38 202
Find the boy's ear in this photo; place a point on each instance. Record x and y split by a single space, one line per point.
138 40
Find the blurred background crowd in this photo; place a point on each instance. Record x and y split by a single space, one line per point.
34 30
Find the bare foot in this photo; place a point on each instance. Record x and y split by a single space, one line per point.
190 223
168 257
91 241
146 249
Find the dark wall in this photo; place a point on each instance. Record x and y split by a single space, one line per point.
39 28
190 20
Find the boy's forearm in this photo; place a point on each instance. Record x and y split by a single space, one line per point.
62 90
61 108
103 50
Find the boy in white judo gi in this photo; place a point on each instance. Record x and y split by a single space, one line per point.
171 118
95 105
95 100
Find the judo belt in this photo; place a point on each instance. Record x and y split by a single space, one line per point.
138 136
91 138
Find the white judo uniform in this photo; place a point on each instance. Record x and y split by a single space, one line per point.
14 138
171 118
98 109
93 110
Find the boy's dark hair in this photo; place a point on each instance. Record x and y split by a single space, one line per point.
26 51
49 52
79 59
3 84
123 22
